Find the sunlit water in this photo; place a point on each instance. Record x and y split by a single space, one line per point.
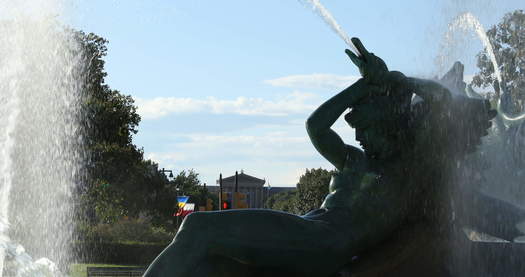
327 17
467 21
40 139
503 148
496 169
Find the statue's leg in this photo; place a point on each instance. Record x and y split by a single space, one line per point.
493 216
260 238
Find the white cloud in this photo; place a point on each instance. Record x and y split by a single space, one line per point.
296 102
271 155
279 153
314 81
271 144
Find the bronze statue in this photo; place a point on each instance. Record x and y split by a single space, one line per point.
373 192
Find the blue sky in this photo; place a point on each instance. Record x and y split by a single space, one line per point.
227 85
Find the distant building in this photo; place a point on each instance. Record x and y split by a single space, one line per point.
253 187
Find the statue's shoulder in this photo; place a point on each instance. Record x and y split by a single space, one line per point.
354 154
397 77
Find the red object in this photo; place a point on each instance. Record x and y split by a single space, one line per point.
183 213
187 209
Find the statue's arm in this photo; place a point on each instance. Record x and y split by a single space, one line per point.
318 125
428 90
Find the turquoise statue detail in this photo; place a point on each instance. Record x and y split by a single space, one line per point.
393 181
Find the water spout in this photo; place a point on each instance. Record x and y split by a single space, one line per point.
330 20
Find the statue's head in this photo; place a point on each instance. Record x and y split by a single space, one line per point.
377 143
382 126
371 67
452 129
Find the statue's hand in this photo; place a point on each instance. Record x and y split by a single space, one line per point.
372 68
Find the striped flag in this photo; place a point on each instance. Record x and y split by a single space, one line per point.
187 209
181 200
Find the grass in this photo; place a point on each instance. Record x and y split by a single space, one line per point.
79 270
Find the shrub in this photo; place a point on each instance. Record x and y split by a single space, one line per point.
117 253
127 231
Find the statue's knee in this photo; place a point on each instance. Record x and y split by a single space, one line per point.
194 220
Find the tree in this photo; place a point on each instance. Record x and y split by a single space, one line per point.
284 201
119 181
312 189
508 40
187 183
164 203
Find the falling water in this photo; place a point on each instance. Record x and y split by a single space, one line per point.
330 20
40 139
495 170
503 147
468 21
492 163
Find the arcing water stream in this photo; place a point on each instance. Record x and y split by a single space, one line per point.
40 139
468 21
330 20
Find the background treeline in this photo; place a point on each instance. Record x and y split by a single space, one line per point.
121 189
311 191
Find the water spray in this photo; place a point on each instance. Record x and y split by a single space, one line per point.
327 17
469 21
41 138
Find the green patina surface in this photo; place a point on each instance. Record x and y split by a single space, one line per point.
372 194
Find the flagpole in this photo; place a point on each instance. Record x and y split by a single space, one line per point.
220 191
177 224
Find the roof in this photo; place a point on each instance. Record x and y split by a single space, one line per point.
272 191
244 180
275 190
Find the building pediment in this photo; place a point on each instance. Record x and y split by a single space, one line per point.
244 180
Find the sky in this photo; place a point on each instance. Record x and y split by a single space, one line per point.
227 85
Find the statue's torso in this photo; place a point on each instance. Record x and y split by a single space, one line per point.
373 199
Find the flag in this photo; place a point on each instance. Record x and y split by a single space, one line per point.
181 200
187 209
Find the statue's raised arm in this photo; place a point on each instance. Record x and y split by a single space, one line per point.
318 125
374 75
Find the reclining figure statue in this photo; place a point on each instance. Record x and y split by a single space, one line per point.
393 181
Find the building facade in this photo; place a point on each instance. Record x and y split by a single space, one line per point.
254 188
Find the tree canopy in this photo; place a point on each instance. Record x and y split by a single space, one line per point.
120 181
508 40
312 188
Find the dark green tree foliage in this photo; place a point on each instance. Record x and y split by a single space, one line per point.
119 182
508 40
283 201
164 200
312 189
187 183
